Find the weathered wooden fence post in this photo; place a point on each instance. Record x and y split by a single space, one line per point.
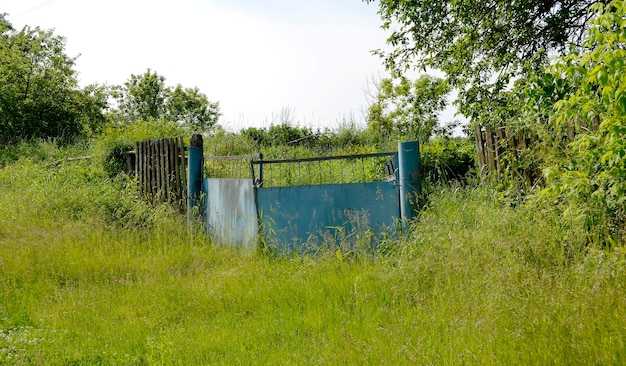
195 177
410 185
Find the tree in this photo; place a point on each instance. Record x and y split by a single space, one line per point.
94 100
39 93
406 109
144 97
588 177
481 45
191 108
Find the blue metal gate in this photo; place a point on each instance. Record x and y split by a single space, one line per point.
296 209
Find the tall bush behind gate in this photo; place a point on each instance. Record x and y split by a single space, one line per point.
586 179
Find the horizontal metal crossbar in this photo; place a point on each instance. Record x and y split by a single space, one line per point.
237 157
323 158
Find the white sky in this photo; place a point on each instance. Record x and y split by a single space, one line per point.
255 57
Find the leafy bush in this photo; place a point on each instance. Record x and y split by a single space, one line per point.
115 160
446 159
128 133
224 143
586 179
40 94
119 138
280 134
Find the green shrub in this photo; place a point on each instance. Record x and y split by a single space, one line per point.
118 134
447 159
225 143
283 134
116 160
586 179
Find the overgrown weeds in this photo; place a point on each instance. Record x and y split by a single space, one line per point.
474 281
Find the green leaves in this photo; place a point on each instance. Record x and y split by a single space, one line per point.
191 108
39 94
145 97
406 109
141 97
558 68
480 46
594 186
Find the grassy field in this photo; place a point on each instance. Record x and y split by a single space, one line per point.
89 275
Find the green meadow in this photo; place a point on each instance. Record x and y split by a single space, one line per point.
91 275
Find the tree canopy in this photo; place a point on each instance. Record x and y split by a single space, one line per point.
39 93
40 97
145 96
407 109
480 45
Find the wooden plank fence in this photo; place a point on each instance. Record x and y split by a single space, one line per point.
494 142
161 170
501 148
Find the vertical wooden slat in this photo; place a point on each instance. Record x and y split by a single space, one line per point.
583 125
480 147
183 172
176 171
153 168
522 147
138 165
159 182
143 168
521 139
170 177
595 123
570 131
174 164
499 146
172 157
161 169
510 140
164 171
168 171
157 172
146 168
130 163
490 153
177 168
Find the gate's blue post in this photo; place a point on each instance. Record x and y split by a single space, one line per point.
410 185
194 181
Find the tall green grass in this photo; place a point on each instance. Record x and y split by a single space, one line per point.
290 174
89 275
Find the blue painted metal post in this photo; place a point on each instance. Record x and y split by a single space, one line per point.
195 177
410 185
